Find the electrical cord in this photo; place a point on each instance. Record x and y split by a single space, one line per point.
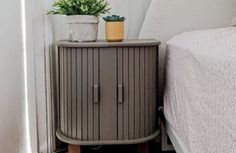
96 148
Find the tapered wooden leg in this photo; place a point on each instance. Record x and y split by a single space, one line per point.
74 149
143 148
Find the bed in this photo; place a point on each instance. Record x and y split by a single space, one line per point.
200 87
200 90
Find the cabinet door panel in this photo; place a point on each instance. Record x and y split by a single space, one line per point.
73 93
120 93
146 90
108 93
69 102
142 91
154 89
65 92
126 92
85 94
131 93
79 92
96 105
137 74
137 91
90 93
62 90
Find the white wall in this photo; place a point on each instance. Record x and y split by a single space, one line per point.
11 78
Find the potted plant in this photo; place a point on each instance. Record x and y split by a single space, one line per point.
114 28
82 17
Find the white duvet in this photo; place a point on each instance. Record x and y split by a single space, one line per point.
200 89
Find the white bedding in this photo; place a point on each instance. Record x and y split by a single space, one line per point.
200 89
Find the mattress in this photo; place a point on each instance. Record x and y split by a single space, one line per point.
200 89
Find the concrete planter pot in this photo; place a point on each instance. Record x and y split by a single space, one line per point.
82 28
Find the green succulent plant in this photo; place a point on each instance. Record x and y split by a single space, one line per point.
114 18
80 7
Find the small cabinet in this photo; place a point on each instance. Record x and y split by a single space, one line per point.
107 92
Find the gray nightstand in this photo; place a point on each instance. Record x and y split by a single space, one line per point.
107 92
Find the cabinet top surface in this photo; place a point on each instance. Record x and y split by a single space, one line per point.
103 43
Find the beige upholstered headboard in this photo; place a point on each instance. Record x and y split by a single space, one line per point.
166 18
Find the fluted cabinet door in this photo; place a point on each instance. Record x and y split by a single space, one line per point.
79 113
137 76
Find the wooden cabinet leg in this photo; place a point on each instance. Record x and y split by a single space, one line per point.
74 149
143 148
